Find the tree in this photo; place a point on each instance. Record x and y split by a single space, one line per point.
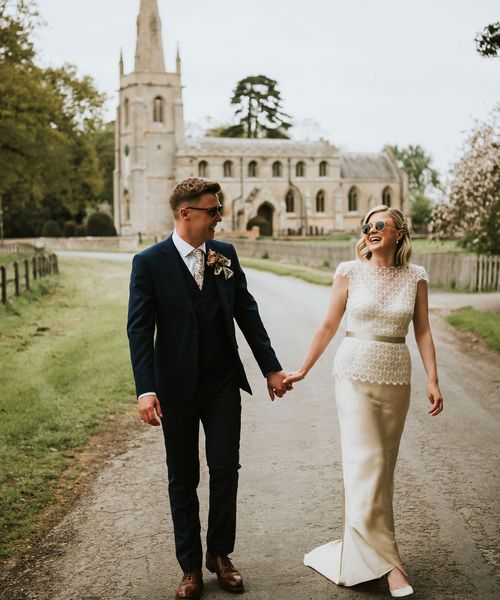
417 164
104 142
421 212
47 117
422 179
488 41
472 210
258 110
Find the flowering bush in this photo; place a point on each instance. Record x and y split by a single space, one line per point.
472 210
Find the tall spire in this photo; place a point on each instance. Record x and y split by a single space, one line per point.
149 49
121 62
178 60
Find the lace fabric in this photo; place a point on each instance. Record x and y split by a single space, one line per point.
381 301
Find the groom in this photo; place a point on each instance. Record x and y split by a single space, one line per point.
185 293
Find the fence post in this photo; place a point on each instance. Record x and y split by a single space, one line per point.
3 281
39 266
33 262
27 274
16 278
55 264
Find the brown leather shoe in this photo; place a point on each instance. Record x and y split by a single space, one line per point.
191 586
228 577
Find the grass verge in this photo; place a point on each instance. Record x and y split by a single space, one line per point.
6 259
300 272
64 371
480 322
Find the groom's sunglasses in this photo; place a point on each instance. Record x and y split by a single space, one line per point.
379 226
211 211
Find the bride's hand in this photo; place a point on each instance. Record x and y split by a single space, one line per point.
293 377
435 398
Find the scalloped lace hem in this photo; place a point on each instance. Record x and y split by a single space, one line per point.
365 379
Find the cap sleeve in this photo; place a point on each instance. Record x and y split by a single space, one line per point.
421 273
344 269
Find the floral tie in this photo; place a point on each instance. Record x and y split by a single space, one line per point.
199 266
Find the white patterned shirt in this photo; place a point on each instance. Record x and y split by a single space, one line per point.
380 301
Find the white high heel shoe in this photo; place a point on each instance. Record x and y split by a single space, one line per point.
402 592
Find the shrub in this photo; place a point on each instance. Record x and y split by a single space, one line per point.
69 229
51 229
81 230
100 224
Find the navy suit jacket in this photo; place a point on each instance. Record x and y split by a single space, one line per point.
162 327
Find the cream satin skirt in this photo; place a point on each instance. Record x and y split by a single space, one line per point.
372 418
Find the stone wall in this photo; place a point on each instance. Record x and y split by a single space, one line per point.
447 269
313 254
105 244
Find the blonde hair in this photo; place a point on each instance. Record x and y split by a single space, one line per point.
403 250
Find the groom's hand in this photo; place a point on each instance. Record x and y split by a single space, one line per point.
150 410
276 385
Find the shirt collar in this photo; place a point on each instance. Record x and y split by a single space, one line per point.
183 248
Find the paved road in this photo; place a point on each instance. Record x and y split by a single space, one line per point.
117 542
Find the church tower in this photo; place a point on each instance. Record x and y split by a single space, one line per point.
149 129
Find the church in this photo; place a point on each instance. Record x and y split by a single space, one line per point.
286 187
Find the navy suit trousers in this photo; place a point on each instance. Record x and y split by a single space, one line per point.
217 405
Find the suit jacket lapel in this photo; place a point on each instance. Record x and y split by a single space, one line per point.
174 268
219 282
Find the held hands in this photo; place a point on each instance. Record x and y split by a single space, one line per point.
276 385
293 377
435 398
150 409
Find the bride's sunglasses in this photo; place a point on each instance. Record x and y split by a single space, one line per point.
378 225
210 211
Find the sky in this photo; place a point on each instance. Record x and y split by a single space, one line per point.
368 72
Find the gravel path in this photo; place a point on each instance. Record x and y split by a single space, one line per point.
117 543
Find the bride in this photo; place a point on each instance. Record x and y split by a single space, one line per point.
380 293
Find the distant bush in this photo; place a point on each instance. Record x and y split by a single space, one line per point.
100 224
69 229
81 230
51 229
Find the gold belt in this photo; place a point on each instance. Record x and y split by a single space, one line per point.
376 338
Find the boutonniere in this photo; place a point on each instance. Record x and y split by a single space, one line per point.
219 263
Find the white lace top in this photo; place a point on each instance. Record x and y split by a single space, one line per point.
381 301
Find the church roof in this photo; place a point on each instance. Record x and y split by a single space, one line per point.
211 146
367 166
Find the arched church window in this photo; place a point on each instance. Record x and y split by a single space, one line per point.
290 201
126 112
277 169
203 168
158 109
300 169
252 168
320 201
323 168
228 169
387 196
353 199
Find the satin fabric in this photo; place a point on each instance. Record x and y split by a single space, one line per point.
371 418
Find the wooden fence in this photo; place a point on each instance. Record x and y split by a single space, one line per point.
487 273
18 275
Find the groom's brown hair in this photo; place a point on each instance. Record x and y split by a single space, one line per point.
191 189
